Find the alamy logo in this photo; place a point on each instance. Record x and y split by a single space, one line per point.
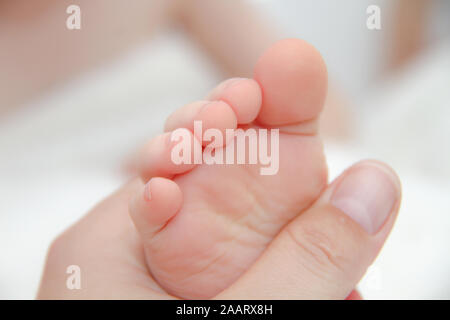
250 146
74 280
373 21
73 21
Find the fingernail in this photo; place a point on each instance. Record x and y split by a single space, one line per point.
224 85
204 108
147 193
231 82
367 194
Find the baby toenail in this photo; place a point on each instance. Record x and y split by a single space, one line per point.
147 193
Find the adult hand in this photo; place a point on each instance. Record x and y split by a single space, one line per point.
321 254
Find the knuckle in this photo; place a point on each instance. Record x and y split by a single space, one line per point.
320 249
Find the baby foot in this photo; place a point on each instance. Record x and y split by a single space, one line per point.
204 225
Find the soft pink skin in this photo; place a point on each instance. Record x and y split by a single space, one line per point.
140 250
229 214
294 81
205 111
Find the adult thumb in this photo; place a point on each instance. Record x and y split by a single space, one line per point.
324 252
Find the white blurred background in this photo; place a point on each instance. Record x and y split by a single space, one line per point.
64 149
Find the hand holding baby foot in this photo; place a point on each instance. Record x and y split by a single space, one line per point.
226 231
230 213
